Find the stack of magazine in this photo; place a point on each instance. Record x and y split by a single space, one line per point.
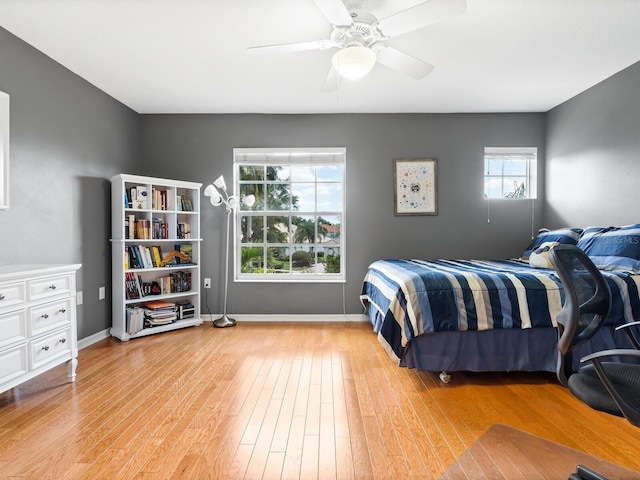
158 312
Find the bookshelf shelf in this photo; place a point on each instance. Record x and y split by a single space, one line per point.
155 244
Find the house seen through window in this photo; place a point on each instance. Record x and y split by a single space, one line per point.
294 230
510 172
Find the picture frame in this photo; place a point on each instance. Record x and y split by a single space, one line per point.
4 151
415 186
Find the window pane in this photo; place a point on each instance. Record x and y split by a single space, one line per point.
278 196
303 259
329 197
278 260
493 167
252 260
252 229
329 259
304 229
303 173
278 229
330 173
514 187
493 187
280 173
515 167
257 191
251 172
329 230
305 196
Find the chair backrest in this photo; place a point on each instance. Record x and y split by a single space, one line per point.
586 303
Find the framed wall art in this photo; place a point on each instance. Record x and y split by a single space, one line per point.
415 183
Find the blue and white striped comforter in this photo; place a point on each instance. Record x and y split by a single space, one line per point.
407 298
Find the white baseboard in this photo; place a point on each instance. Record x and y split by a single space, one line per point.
90 340
292 318
96 337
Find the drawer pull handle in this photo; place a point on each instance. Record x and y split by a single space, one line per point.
62 340
45 315
1 296
52 287
63 310
45 348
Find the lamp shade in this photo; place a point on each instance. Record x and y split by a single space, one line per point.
216 199
219 183
354 62
249 200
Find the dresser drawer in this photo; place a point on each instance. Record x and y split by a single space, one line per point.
12 296
13 327
49 347
13 363
49 316
44 288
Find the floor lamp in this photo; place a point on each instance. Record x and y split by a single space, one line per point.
218 195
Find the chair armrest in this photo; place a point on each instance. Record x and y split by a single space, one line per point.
626 328
617 352
628 325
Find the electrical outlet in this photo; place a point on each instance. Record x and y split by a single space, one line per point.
79 298
207 283
101 293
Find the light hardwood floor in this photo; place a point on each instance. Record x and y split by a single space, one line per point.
282 400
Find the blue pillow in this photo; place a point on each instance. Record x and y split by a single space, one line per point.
613 248
567 236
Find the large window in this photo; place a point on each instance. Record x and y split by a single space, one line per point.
510 172
293 227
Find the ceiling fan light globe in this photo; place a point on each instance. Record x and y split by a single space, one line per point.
354 62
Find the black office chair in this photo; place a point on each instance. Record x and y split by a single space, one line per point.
609 385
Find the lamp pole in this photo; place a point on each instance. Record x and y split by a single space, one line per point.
224 320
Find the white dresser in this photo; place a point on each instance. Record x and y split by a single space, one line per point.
38 326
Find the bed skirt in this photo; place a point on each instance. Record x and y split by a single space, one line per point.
500 350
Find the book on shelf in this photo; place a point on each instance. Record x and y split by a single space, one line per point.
185 204
156 253
160 228
143 229
141 199
184 230
133 286
130 227
159 199
135 319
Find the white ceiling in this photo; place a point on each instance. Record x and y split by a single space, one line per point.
189 56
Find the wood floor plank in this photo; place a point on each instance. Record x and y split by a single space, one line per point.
287 400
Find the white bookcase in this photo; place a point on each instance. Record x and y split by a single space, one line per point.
152 219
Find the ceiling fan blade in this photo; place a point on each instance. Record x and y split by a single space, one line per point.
421 15
335 11
291 47
332 82
397 60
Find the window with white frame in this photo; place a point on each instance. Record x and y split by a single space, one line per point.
510 172
293 228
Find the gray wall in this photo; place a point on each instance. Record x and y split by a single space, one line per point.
593 155
199 148
67 139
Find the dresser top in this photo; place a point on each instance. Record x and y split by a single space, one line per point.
8 272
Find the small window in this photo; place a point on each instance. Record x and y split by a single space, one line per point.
293 230
510 172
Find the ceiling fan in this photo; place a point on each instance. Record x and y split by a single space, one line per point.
362 39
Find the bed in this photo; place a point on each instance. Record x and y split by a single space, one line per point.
495 315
